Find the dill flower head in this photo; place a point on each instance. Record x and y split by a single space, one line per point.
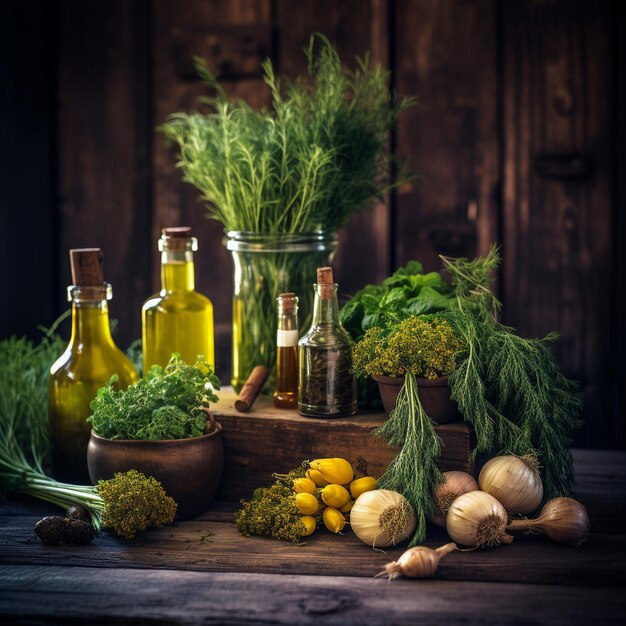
272 511
134 502
424 346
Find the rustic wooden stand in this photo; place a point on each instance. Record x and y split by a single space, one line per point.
267 440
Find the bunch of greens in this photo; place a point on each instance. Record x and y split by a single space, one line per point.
413 472
24 369
508 387
406 293
425 346
272 511
165 404
126 504
317 156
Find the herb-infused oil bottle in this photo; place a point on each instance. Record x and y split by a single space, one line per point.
327 387
178 318
87 364
286 392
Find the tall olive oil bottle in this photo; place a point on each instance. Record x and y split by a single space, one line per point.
178 318
89 361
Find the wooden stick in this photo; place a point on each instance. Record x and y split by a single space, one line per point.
252 388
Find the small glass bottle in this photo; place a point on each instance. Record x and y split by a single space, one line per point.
87 364
327 387
178 318
286 392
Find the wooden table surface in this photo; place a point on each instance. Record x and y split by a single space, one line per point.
204 572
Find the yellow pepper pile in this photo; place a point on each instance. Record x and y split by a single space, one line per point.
327 492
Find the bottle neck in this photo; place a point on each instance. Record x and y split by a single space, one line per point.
177 271
288 322
90 322
325 311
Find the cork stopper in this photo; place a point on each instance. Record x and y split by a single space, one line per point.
176 237
325 283
86 264
177 231
287 303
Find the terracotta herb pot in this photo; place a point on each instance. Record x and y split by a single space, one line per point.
434 396
189 469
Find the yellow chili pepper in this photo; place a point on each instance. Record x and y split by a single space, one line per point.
309 523
333 520
306 503
361 485
335 495
304 485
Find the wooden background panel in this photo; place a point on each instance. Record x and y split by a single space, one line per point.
206 29
557 237
445 51
104 139
29 286
355 27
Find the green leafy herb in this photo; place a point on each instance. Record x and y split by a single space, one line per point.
413 472
165 404
406 293
317 156
24 369
508 387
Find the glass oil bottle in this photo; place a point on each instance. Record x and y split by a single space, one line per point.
286 392
327 387
89 361
178 318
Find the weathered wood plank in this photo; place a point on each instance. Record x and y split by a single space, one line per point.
558 93
355 27
27 163
105 130
268 440
446 53
181 547
37 595
207 29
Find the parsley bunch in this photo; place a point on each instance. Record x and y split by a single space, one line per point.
167 403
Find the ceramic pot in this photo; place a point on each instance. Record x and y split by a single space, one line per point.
434 396
189 469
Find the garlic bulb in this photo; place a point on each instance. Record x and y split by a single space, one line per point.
418 562
382 518
513 481
563 520
477 519
454 484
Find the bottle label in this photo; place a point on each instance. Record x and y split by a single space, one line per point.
286 338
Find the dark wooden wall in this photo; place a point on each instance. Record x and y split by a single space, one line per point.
521 140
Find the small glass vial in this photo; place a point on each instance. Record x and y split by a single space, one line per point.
286 393
327 387
87 364
178 318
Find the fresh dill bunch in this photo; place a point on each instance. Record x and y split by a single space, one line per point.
319 154
272 511
24 370
132 502
508 387
167 403
426 346
413 472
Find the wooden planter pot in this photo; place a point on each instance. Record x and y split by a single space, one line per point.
434 396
